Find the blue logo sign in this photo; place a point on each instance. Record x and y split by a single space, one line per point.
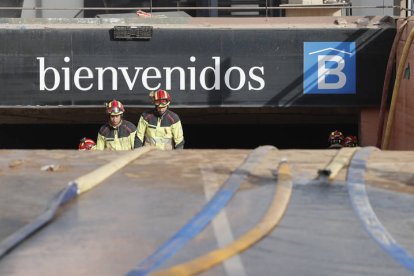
329 68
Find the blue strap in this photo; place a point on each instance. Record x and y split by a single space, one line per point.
362 206
203 218
17 237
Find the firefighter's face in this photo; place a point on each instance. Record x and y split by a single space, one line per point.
161 110
115 119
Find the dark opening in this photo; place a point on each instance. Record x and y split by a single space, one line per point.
251 136
300 136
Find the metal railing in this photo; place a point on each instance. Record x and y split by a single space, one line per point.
266 9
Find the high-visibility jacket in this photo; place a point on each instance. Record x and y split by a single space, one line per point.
162 131
121 137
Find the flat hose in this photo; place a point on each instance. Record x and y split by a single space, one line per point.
71 191
340 160
195 225
270 220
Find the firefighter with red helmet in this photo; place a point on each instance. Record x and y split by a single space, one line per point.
160 127
87 144
116 134
350 141
335 139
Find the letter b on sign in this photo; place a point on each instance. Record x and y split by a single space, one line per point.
329 68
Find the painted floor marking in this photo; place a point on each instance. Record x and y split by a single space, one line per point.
222 229
203 217
270 220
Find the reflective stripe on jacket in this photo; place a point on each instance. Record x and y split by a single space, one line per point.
164 132
119 138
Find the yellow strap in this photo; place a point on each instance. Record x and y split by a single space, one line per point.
90 180
341 159
268 222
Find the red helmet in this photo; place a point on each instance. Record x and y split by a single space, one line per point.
87 144
115 107
160 98
336 137
350 141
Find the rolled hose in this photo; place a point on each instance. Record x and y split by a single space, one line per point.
385 88
397 84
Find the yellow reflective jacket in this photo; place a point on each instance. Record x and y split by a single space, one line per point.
164 132
116 138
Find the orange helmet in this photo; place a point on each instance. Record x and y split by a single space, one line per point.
87 144
350 141
160 98
114 107
336 137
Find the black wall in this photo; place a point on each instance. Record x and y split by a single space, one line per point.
278 51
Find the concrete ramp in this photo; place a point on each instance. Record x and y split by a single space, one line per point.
112 228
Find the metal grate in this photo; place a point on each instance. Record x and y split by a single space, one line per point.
132 33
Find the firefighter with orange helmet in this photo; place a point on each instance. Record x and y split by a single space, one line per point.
87 144
160 127
117 133
350 141
335 139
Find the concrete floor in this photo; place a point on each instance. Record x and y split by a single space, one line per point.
110 229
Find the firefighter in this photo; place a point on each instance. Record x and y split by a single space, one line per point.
335 139
116 134
350 141
160 127
87 144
